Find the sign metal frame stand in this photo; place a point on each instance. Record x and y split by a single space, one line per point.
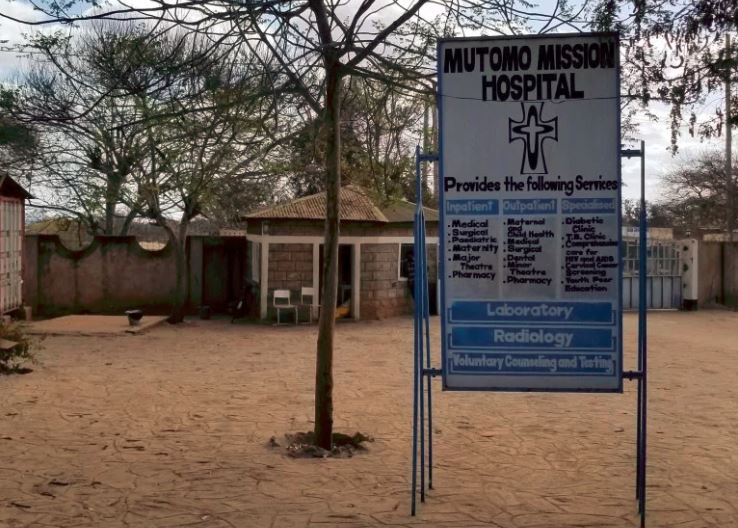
424 372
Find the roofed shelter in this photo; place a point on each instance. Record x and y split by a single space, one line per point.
12 224
374 242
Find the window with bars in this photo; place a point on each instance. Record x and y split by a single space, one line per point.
663 258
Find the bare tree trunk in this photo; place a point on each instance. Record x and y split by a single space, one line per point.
109 217
112 192
728 256
434 140
729 144
426 148
324 361
127 222
110 202
180 263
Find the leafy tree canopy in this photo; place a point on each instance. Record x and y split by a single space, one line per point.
675 52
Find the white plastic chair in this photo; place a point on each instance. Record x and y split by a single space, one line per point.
309 292
281 301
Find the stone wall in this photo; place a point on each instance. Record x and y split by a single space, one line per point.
290 267
709 283
730 264
114 273
383 293
718 273
110 275
432 262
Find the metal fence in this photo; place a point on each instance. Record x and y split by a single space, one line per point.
664 278
11 254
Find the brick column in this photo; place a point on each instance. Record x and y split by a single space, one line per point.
195 268
356 281
264 280
316 274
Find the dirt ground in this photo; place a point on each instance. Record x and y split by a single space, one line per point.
171 428
93 325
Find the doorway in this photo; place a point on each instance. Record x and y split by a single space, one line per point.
224 270
345 277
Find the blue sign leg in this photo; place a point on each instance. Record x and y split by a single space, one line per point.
418 314
642 327
639 368
419 308
639 433
416 375
422 354
426 317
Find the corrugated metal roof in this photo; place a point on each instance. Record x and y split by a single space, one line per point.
404 211
10 187
355 205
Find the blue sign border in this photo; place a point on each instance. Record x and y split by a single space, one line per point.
557 374
591 309
442 217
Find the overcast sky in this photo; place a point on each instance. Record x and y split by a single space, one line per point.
656 134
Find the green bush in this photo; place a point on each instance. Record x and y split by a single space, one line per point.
13 359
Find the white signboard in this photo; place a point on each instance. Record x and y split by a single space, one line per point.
530 213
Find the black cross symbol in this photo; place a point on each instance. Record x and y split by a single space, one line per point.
532 130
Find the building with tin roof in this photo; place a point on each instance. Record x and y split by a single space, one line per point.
375 244
12 224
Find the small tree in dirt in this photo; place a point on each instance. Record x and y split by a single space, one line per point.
319 46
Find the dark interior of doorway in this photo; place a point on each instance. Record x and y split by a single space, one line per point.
224 272
344 273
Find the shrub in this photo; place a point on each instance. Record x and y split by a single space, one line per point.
12 360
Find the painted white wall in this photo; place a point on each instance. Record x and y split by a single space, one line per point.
689 267
264 281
